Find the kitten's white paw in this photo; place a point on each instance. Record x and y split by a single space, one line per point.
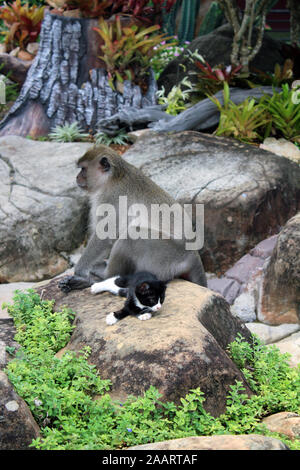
96 288
144 316
111 319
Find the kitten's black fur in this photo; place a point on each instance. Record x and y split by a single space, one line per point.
143 286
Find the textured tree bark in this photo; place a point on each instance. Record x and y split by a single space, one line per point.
67 83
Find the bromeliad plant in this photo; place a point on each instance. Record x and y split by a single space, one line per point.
145 10
23 23
212 79
127 50
86 8
247 121
68 133
284 113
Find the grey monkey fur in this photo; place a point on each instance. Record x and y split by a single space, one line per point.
101 259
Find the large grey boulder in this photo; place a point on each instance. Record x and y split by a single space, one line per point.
180 348
248 193
42 211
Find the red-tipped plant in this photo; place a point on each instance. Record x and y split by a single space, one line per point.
23 23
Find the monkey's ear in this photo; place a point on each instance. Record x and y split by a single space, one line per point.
142 288
104 164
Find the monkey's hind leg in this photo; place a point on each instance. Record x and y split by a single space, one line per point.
69 283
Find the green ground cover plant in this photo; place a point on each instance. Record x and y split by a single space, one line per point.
71 404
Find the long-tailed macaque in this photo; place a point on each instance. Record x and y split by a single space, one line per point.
108 178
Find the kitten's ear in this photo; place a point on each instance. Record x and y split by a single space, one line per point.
142 288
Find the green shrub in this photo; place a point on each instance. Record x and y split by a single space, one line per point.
71 404
284 113
246 121
68 133
177 98
121 138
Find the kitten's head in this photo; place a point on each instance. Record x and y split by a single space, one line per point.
151 294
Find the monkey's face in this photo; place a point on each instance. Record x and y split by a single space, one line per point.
94 174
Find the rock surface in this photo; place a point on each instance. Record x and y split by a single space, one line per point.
17 426
240 285
42 212
291 345
180 348
282 147
284 423
7 293
270 334
280 295
248 193
222 442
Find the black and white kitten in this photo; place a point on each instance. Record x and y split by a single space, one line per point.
145 294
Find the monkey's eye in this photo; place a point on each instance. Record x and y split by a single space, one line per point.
105 163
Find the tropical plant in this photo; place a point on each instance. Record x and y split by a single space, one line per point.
280 75
163 56
212 79
284 112
144 10
127 50
246 121
87 8
122 138
175 101
23 23
68 133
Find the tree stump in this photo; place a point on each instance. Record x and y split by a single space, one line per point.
67 82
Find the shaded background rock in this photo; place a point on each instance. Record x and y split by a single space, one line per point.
216 47
181 348
17 425
248 193
43 213
280 295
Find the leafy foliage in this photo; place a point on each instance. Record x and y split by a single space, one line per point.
121 138
284 113
212 79
163 56
23 23
280 76
61 390
88 8
128 50
68 133
175 101
246 121
144 10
